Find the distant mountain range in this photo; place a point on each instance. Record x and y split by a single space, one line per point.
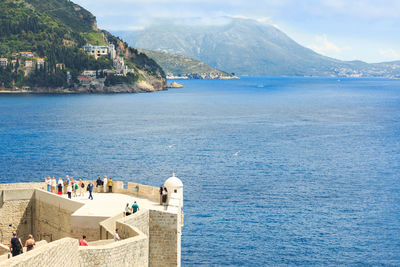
247 47
184 67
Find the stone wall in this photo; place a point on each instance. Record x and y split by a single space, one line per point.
128 252
164 238
53 216
61 253
23 186
140 220
16 213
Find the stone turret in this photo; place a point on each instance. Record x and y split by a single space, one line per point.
174 184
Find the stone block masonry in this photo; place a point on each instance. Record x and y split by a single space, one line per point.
63 252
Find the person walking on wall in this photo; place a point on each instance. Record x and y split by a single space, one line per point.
116 236
161 191
81 187
105 184
30 243
164 195
48 183
60 188
127 210
110 185
53 185
83 241
15 245
69 190
90 189
135 207
99 184
75 189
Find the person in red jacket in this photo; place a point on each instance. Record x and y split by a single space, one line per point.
83 241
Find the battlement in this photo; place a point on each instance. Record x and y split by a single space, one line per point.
150 237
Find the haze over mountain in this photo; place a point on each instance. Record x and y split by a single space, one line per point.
247 47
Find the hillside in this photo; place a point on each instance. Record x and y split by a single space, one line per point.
181 66
247 47
41 50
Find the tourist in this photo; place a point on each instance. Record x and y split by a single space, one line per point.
105 184
135 207
48 183
60 188
164 195
81 187
66 183
30 243
15 245
83 241
127 210
75 188
90 189
110 185
69 190
54 185
116 235
161 191
99 184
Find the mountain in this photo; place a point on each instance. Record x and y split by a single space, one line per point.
185 67
42 50
247 47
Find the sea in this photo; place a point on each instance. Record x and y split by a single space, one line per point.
276 171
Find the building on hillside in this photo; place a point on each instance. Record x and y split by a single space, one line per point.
26 54
96 51
60 66
113 52
14 54
40 62
89 73
3 62
29 63
85 81
14 62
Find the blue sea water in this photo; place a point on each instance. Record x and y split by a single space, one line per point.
276 171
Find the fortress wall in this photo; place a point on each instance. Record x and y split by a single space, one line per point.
164 238
150 192
61 253
86 225
128 252
107 227
140 220
23 186
53 216
16 213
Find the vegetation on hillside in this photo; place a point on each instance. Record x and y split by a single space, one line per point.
55 32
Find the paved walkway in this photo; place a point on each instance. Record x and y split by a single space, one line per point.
110 204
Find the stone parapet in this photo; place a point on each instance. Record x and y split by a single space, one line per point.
61 253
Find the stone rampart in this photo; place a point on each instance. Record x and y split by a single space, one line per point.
53 216
164 238
61 253
16 213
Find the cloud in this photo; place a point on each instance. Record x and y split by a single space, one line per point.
389 54
325 47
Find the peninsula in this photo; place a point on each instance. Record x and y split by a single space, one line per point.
55 46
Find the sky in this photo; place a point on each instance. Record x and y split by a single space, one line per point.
367 30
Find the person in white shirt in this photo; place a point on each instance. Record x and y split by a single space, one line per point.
69 190
116 235
105 184
53 185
